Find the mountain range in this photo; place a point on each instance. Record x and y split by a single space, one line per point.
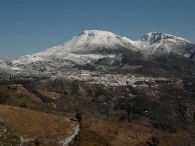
94 47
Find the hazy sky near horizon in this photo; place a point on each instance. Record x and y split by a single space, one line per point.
29 26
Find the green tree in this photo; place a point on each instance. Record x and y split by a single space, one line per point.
78 115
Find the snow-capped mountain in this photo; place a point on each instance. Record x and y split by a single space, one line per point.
93 45
155 44
85 48
80 49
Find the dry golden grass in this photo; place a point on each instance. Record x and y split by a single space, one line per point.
118 134
89 138
170 139
129 134
20 95
35 124
49 94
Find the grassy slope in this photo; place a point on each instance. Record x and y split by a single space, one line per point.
47 128
17 95
129 134
97 131
87 137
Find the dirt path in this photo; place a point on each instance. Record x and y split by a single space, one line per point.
66 141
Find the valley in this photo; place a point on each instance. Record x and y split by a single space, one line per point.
101 89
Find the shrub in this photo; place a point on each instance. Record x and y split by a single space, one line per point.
23 105
36 142
78 115
154 141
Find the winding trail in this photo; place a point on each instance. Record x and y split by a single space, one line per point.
66 141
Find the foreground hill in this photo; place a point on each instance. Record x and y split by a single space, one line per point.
148 110
26 127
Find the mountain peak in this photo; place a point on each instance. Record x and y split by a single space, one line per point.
85 47
93 39
93 31
157 37
98 34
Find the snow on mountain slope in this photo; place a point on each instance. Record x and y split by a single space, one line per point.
5 67
3 64
94 45
156 44
79 47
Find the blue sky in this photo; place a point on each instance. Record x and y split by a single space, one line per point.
28 26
